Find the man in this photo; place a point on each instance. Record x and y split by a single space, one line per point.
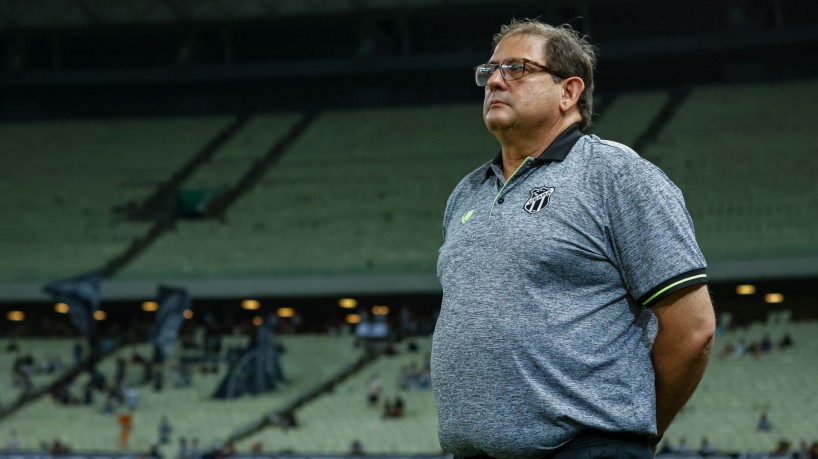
575 317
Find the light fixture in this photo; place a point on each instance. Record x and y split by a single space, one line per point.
353 318
745 289
188 314
774 298
380 310
250 305
285 312
62 308
100 315
150 306
348 303
15 316
257 321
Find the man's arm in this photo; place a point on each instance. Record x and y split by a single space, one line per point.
687 327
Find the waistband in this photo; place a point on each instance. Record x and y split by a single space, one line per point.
588 437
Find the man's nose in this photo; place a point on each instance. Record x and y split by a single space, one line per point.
496 80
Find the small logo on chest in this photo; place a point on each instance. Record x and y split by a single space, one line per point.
540 197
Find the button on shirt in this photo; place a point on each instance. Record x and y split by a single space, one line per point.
545 327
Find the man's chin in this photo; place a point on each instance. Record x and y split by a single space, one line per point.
495 124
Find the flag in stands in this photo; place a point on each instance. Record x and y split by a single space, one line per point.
173 302
81 293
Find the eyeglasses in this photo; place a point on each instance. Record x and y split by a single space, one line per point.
512 68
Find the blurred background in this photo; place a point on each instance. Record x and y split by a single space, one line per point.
219 219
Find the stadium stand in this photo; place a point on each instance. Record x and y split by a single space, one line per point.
739 387
308 362
629 115
332 422
737 153
232 160
350 181
49 359
63 180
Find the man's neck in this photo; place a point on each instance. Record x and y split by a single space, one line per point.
516 147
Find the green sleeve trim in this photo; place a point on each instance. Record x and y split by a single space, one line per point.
668 287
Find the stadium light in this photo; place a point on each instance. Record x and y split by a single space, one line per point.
774 298
187 314
150 306
353 318
16 316
745 289
285 312
348 303
100 315
62 308
250 305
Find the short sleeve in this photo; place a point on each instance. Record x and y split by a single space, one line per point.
653 236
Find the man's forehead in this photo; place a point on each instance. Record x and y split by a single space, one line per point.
520 45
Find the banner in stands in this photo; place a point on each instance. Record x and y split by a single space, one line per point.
81 293
173 302
258 369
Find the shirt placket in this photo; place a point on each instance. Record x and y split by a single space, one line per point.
504 188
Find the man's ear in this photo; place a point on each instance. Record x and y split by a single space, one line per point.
572 87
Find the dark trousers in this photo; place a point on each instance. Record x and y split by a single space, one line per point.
596 444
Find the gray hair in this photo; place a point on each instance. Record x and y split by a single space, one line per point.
566 52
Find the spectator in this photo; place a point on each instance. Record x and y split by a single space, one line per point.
125 423
183 454
783 447
119 373
131 398
740 349
375 388
154 452
88 393
356 448
195 451
683 447
58 447
766 344
165 430
158 380
764 424
77 353
183 375
707 447
398 407
786 342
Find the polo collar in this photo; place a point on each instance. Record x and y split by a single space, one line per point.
556 151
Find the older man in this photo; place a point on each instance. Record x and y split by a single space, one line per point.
576 319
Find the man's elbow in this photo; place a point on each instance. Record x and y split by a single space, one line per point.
703 336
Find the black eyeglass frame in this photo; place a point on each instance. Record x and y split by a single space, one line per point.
503 72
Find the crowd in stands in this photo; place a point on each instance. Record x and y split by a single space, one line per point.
25 366
707 447
756 348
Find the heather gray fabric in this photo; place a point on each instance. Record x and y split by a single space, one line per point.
540 334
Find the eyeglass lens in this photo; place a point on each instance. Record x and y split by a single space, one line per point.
510 69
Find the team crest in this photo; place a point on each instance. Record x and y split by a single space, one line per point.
539 199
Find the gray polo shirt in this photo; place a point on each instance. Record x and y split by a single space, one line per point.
545 327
